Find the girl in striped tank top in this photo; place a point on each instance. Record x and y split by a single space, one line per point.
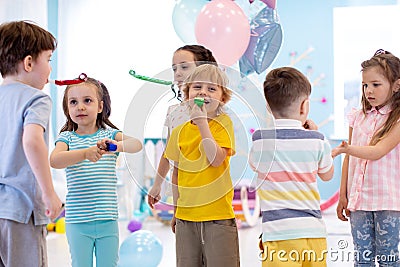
83 149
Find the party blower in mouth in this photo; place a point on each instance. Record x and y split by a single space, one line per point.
199 101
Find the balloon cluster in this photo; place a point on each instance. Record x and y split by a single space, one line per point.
224 28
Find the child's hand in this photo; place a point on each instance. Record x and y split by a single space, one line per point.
153 196
94 153
173 223
340 149
198 114
310 125
53 205
341 210
104 144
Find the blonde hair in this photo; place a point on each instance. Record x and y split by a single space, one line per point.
208 73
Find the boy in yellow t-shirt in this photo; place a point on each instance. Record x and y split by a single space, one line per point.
201 148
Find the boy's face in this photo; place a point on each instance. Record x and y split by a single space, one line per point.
212 94
41 69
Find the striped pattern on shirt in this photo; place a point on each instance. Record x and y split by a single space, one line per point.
287 160
92 186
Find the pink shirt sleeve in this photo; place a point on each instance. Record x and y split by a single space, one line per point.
352 115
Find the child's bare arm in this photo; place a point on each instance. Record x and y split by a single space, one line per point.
326 176
153 195
61 157
36 152
374 152
124 143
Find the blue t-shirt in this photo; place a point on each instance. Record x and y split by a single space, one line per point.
20 194
92 186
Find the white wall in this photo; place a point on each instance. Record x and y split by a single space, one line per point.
105 39
358 33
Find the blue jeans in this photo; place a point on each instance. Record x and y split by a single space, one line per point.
375 237
102 237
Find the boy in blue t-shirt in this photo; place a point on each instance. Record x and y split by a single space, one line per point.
27 194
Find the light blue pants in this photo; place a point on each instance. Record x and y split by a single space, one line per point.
375 237
102 237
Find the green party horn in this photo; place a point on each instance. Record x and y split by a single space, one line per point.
149 79
199 101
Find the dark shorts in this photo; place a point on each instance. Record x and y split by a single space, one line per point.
22 244
210 243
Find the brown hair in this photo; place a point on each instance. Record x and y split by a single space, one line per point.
20 39
102 118
284 86
201 54
389 66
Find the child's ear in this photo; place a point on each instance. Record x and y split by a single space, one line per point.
396 86
28 62
305 107
100 107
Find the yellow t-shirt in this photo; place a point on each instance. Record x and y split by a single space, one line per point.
205 192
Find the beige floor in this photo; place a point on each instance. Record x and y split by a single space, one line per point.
339 243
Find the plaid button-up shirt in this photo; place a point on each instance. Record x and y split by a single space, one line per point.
372 184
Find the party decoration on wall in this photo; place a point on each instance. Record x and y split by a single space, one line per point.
294 59
322 100
326 121
141 248
222 27
265 42
184 18
318 81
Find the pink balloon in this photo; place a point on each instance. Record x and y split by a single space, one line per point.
270 3
222 27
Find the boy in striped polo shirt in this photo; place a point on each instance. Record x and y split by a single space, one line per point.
286 160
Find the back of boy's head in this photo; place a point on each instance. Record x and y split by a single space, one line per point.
211 74
284 87
19 39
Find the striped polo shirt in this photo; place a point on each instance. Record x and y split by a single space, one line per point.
92 186
287 160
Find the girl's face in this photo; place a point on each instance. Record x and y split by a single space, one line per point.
183 63
376 87
84 105
211 92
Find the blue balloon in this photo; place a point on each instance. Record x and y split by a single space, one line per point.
265 42
141 248
184 18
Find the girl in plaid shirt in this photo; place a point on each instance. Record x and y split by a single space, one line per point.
369 190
